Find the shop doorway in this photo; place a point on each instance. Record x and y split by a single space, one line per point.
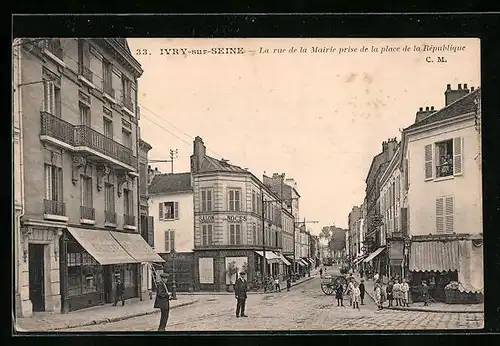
108 284
36 276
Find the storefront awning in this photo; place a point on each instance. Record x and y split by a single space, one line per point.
283 259
137 247
434 256
270 256
305 262
312 261
359 259
301 263
374 254
102 246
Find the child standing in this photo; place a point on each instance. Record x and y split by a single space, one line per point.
356 294
362 291
339 294
405 289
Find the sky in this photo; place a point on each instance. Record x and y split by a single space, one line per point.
317 117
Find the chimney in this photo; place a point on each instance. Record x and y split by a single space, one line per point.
421 114
156 169
384 146
471 89
199 151
451 95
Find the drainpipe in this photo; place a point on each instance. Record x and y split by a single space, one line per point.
17 234
137 137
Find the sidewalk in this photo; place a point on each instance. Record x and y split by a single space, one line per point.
433 307
94 315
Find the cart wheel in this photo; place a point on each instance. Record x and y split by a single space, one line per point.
327 289
340 280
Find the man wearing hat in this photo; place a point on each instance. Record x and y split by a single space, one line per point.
240 292
162 300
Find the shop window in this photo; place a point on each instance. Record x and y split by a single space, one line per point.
129 276
83 272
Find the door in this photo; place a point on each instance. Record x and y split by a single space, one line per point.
36 276
108 284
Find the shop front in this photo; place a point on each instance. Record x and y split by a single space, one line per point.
273 262
92 260
286 266
395 255
373 263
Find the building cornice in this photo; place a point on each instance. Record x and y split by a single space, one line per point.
123 55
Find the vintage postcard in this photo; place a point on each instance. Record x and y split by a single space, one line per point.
193 185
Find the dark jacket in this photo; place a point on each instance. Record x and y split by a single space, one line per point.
240 289
162 297
120 288
362 289
339 293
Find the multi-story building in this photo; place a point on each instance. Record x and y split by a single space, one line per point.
373 238
441 160
353 242
79 228
236 218
171 203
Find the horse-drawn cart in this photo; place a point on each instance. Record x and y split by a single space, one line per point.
330 283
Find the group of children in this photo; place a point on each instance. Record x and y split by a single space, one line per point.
355 292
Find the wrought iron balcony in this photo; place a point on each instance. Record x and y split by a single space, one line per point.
54 207
84 136
110 216
129 220
87 213
127 102
86 73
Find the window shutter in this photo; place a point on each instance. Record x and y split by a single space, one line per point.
167 241
449 208
172 240
203 200
151 231
210 230
403 218
407 182
160 211
440 215
428 162
176 210
457 156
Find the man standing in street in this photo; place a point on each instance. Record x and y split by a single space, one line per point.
120 290
240 291
162 301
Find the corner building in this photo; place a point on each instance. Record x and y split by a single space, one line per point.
228 227
79 230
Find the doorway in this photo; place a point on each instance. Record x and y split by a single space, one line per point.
36 276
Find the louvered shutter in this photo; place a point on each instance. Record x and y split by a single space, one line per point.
428 162
407 182
449 208
172 240
176 210
457 156
204 200
404 222
160 211
440 215
151 231
167 241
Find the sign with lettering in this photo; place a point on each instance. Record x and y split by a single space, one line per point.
207 218
236 218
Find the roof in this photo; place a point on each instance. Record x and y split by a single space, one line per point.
434 256
461 106
170 182
210 164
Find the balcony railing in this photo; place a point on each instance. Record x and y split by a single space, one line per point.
54 47
129 220
127 102
85 136
110 216
87 213
86 73
54 207
57 128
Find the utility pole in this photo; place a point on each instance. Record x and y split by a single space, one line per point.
173 155
263 239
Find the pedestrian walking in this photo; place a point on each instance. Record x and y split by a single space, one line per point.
120 291
362 291
425 293
356 294
277 286
162 301
378 296
361 272
390 293
288 283
320 272
350 290
339 295
397 292
405 289
240 291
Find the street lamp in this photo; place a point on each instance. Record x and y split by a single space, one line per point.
174 287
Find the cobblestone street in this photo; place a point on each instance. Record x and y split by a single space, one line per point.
303 308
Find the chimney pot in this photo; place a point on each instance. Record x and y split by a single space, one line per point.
426 108
432 108
459 86
156 169
448 86
421 109
465 86
471 88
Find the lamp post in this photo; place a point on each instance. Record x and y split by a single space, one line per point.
174 287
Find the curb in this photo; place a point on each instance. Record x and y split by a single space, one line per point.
424 309
120 318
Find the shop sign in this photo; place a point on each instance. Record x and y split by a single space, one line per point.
236 218
396 250
207 218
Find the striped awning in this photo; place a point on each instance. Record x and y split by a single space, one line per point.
374 254
271 257
283 259
434 256
311 260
